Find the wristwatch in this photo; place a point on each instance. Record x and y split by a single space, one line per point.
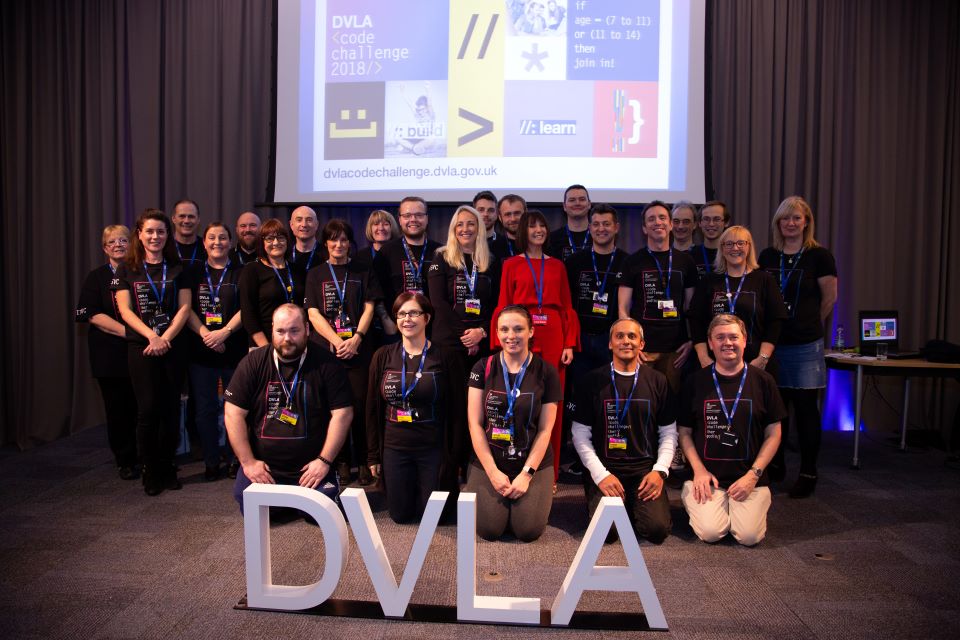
757 471
529 470
663 474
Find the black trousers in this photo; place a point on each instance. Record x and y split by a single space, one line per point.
120 407
650 519
409 478
807 422
157 381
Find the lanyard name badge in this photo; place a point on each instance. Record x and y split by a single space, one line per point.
286 414
506 432
193 258
731 297
600 305
309 258
415 266
785 275
214 315
472 303
407 414
666 304
706 259
287 288
619 442
723 405
539 318
573 247
160 320
342 321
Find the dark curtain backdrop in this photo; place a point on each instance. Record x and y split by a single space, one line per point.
110 107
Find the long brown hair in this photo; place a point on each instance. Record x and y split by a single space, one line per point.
137 253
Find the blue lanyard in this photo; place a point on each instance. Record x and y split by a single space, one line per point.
309 260
513 391
419 263
784 274
471 279
622 415
706 260
196 246
291 392
112 268
596 272
404 390
241 253
288 289
538 286
341 293
666 281
573 246
716 385
223 274
731 298
510 247
163 283
373 252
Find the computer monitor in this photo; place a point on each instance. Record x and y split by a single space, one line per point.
878 327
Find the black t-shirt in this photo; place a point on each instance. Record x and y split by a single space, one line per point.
559 246
240 256
147 299
800 289
425 419
363 260
540 385
729 452
503 247
108 353
192 255
262 290
256 387
595 302
703 256
450 294
397 274
322 295
662 317
215 302
304 262
759 305
634 444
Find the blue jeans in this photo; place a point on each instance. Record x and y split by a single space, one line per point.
329 486
203 381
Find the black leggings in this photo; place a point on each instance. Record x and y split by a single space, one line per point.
354 450
120 408
807 421
157 381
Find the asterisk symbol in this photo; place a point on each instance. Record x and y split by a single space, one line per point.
534 56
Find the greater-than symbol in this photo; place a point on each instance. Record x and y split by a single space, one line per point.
469 34
485 127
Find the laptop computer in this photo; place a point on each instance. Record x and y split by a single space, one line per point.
881 327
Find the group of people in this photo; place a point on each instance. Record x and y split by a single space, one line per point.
431 366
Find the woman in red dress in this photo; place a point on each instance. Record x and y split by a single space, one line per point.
539 283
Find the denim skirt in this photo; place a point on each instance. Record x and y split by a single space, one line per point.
801 365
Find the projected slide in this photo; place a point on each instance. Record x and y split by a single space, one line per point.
444 98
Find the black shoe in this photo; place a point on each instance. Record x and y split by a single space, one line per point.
233 469
152 486
343 471
804 486
127 472
170 480
366 478
211 473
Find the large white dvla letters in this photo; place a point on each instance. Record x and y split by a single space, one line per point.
582 576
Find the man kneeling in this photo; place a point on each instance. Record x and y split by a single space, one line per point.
729 419
625 434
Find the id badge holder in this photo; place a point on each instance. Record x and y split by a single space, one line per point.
342 326
160 323
539 319
213 317
404 415
600 298
668 308
599 308
288 416
472 306
617 445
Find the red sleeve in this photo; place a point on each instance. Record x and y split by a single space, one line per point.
571 323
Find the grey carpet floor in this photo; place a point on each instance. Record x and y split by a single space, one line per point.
875 554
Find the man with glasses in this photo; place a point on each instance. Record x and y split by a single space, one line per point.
509 209
402 263
713 219
574 236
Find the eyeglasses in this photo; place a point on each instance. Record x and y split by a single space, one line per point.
275 240
413 315
117 241
739 244
418 216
